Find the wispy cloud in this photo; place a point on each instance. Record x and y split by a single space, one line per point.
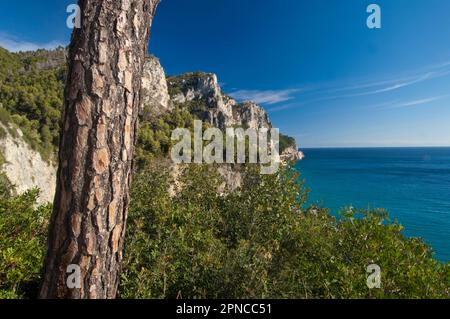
14 44
269 97
382 106
400 83
417 102
336 91
284 107
389 84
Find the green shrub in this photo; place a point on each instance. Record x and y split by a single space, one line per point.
23 229
154 134
260 242
257 242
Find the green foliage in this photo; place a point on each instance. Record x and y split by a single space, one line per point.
329 259
259 242
23 229
33 96
6 187
9 65
154 134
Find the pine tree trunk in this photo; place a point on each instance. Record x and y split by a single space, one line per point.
98 133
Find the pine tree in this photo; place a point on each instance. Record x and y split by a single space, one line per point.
98 133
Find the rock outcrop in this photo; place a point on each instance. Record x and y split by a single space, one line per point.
46 59
232 177
202 94
155 94
251 115
24 167
291 154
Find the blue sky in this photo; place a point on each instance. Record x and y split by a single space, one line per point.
322 75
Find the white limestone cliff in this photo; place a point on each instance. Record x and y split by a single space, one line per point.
25 168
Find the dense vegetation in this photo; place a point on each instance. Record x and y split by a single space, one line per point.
154 134
31 95
23 228
260 241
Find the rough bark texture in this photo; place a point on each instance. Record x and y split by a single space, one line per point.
96 150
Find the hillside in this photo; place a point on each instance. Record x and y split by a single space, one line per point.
31 99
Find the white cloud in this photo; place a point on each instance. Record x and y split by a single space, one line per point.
13 44
418 102
402 83
265 97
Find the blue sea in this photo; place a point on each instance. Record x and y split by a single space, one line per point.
413 184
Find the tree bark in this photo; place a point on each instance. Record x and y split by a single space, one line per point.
98 133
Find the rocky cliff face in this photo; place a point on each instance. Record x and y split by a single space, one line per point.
202 94
251 115
25 167
47 59
155 93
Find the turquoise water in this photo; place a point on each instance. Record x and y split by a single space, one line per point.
413 184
